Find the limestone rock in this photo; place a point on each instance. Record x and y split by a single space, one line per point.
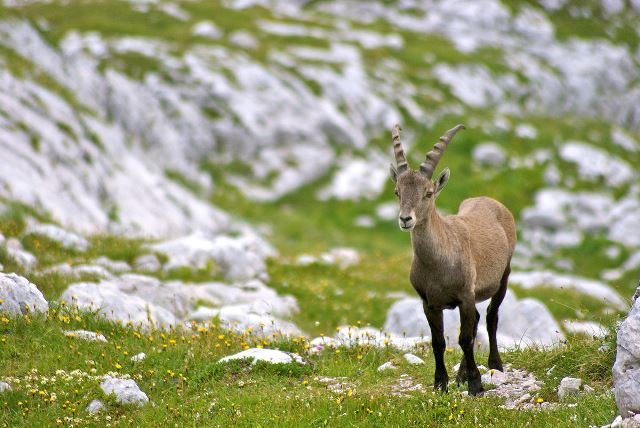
489 154
110 302
94 407
115 266
86 335
18 296
387 366
626 369
4 386
239 258
494 377
414 360
147 263
64 238
125 390
269 355
569 386
22 257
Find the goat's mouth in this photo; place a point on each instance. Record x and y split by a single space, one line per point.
406 227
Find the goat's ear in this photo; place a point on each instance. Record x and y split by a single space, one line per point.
393 172
442 180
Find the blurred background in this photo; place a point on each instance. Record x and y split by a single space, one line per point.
147 132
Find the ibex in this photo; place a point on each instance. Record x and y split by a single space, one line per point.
458 260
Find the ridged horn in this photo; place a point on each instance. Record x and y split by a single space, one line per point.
398 151
429 165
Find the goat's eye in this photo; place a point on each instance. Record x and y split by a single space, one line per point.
397 193
428 194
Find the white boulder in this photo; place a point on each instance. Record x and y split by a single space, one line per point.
115 266
206 29
357 336
18 296
357 179
91 336
147 263
273 356
64 238
4 387
626 369
489 154
590 287
414 360
589 328
239 258
111 303
94 407
494 377
243 318
126 391
79 271
594 163
343 257
387 366
22 257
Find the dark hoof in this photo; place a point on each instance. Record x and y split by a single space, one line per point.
475 387
441 385
477 393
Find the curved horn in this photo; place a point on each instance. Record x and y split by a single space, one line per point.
429 165
401 161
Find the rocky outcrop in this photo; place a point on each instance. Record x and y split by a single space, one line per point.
147 302
626 369
111 303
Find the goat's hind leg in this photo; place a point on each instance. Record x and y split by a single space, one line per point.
495 362
466 341
434 317
463 376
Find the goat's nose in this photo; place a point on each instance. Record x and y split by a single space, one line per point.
406 219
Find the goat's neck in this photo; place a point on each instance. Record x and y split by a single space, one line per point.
430 239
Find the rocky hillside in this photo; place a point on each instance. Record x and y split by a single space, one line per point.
224 165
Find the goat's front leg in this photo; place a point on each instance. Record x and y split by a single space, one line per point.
462 376
466 341
434 317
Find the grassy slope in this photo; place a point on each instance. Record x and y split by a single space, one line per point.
186 386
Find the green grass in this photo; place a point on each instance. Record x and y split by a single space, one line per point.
186 385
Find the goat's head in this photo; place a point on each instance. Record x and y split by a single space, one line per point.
415 189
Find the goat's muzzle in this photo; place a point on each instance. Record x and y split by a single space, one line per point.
406 223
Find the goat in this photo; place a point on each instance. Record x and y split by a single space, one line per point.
458 260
